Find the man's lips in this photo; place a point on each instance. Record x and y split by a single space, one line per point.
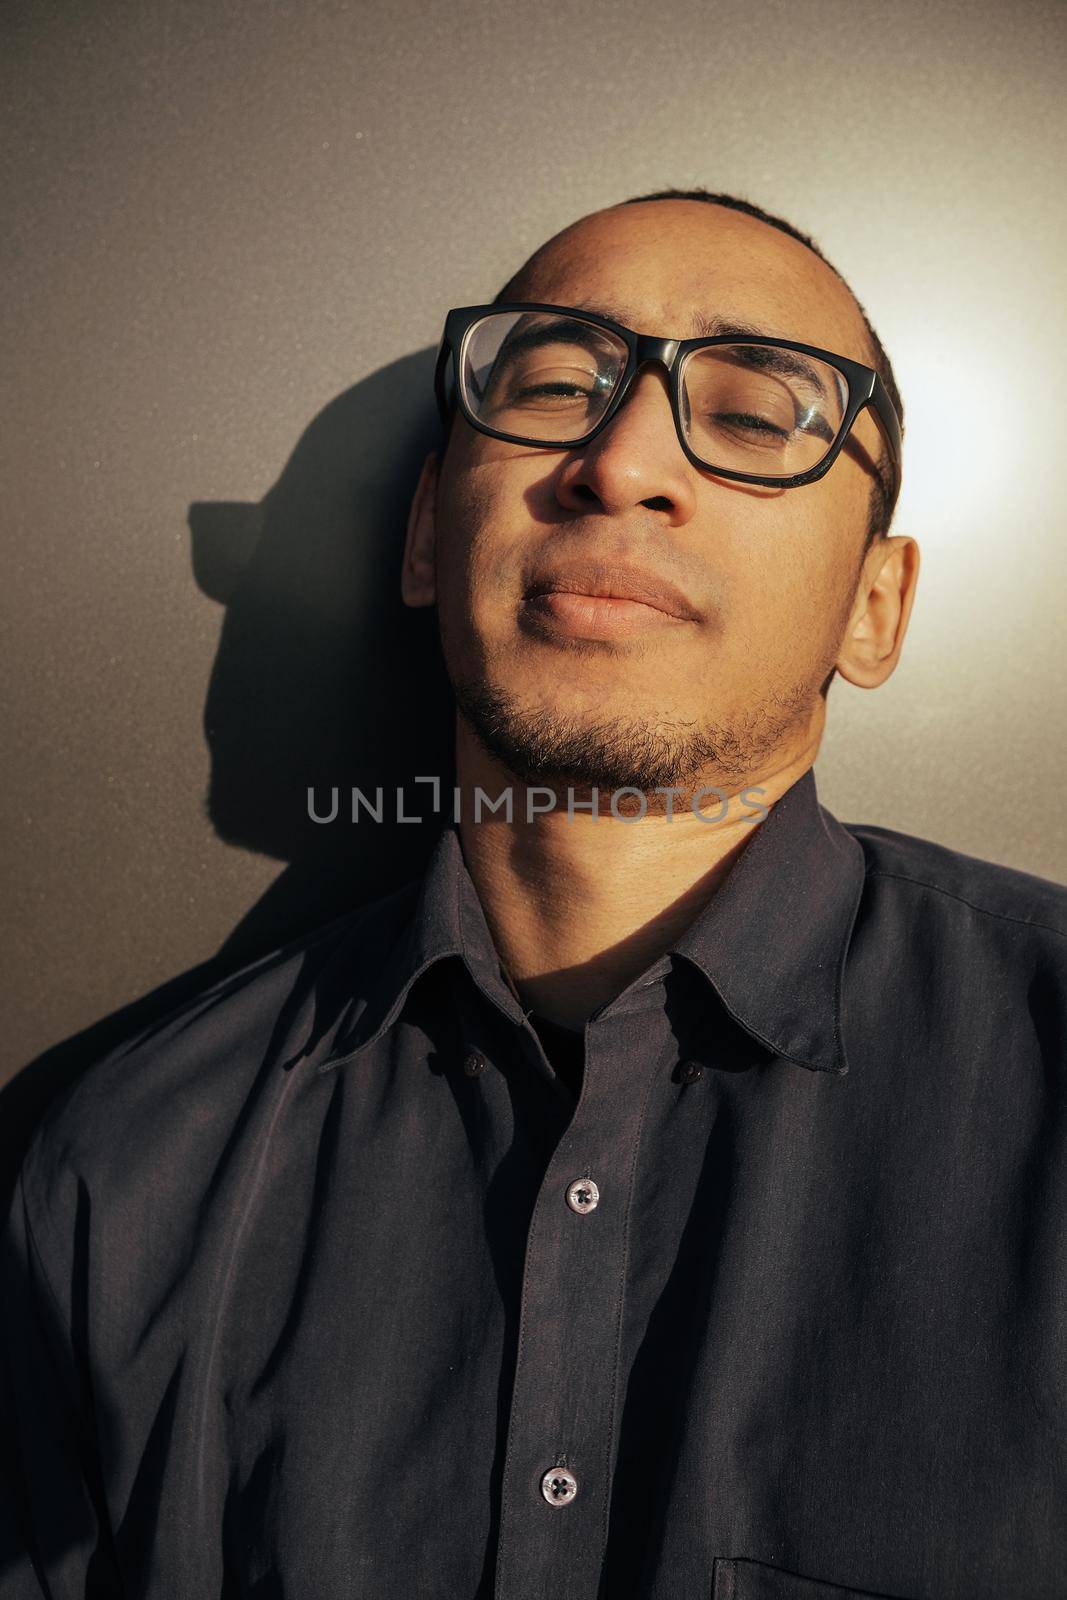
583 616
597 581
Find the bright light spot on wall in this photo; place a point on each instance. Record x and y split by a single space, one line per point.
967 435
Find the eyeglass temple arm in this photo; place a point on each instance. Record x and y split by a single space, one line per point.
885 414
443 352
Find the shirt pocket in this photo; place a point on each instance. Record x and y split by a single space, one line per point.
735 1578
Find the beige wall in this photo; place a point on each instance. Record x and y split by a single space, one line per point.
230 234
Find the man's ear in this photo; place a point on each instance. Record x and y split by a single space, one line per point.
879 620
417 585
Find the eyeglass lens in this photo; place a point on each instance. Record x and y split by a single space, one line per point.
761 409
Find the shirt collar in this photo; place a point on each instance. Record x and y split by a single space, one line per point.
772 940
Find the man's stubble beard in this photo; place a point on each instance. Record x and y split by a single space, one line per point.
538 745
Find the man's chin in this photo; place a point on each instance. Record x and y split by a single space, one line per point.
600 748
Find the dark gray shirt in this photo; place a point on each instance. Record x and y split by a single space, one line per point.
325 1287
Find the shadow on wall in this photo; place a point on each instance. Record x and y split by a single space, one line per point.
323 678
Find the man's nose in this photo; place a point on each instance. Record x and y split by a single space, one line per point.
636 460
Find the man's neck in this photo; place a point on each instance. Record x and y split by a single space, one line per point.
579 907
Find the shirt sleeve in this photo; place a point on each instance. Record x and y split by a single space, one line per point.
54 1538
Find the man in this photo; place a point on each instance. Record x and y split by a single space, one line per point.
660 1200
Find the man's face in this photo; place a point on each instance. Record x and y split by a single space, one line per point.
561 690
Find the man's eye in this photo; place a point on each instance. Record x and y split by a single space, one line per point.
751 422
557 387
544 382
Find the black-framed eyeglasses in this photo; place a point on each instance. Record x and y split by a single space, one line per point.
747 407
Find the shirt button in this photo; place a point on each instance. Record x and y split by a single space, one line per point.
474 1063
583 1195
559 1486
689 1071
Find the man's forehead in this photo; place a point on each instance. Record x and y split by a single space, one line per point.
697 324
660 269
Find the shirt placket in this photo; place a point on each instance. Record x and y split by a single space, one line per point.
564 1409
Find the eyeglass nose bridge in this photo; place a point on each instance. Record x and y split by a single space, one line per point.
647 348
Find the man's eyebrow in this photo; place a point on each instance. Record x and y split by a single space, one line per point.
530 335
715 327
786 363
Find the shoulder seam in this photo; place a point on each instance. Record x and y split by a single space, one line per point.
950 894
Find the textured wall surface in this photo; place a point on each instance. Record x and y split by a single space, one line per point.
230 235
